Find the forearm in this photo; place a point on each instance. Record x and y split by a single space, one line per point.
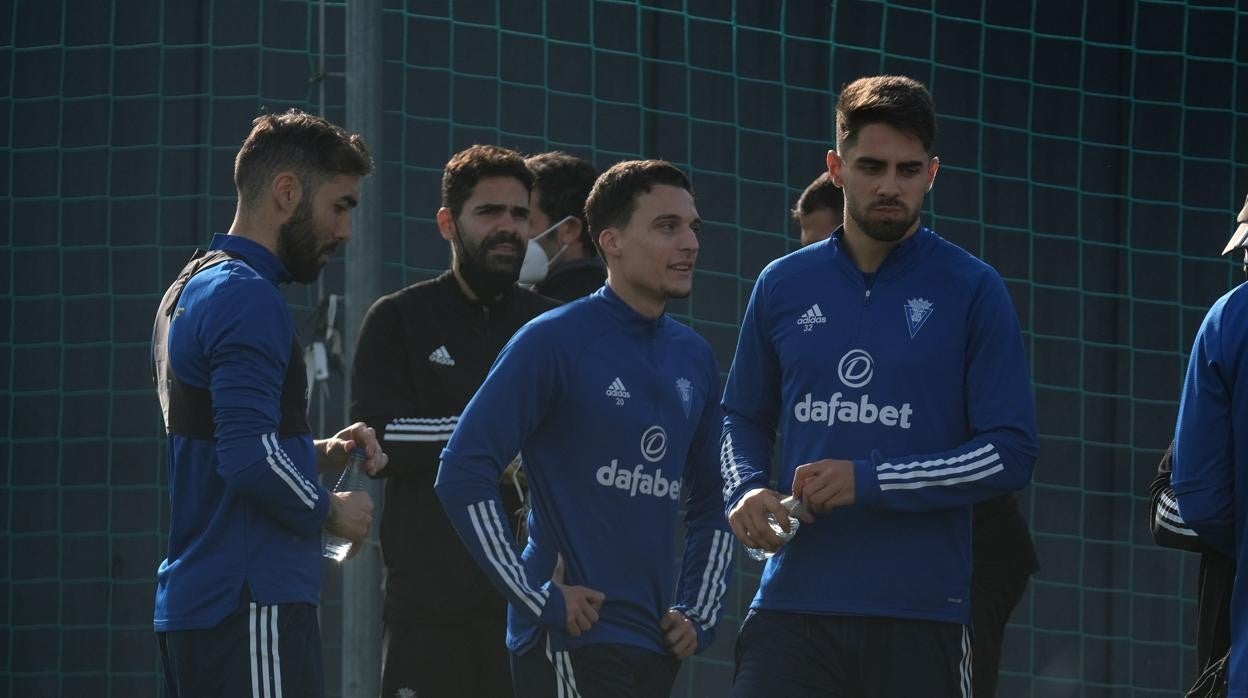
262 470
472 503
704 577
745 455
986 466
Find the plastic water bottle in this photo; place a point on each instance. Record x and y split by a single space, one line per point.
352 479
795 509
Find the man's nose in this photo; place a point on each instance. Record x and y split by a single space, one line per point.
888 186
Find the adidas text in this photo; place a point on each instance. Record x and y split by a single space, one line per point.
813 316
618 391
861 412
636 482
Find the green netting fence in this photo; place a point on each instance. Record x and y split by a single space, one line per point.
1090 151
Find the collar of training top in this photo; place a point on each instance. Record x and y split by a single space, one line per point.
447 279
256 255
624 312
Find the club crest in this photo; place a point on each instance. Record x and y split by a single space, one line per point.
685 389
918 310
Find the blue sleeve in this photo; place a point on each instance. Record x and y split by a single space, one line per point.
751 405
508 406
708 540
1203 469
1001 417
247 336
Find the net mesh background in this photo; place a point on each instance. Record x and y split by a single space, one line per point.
1093 155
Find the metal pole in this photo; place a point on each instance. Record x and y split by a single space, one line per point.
361 576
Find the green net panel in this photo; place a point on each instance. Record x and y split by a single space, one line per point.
1092 154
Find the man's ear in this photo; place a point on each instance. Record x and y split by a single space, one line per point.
609 242
286 191
569 232
446 223
835 163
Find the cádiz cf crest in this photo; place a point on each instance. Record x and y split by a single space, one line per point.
685 389
918 310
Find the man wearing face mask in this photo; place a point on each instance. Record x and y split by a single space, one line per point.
561 261
422 353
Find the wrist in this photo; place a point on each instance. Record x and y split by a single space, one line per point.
866 482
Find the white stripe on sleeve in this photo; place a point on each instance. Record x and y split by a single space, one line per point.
421 429
944 483
1169 518
492 543
306 493
941 472
728 466
710 592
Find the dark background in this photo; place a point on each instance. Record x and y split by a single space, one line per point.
1092 154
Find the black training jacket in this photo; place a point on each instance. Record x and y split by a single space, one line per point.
422 353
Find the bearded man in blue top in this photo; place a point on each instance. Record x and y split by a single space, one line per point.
236 596
892 365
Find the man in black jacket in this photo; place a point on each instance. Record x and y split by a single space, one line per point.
422 353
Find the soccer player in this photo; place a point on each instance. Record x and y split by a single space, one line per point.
422 353
1207 453
1002 554
614 407
236 597
892 364
561 261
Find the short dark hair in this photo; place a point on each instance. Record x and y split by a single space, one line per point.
313 148
471 165
901 102
821 193
614 197
564 181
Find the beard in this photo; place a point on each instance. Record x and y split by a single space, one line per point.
886 230
488 278
297 245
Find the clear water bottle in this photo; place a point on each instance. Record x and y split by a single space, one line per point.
352 479
795 509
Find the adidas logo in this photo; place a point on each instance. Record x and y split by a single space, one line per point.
442 356
618 391
813 316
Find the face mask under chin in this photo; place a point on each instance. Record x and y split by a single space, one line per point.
536 264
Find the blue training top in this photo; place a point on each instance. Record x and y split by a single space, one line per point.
917 374
245 507
1211 451
617 419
